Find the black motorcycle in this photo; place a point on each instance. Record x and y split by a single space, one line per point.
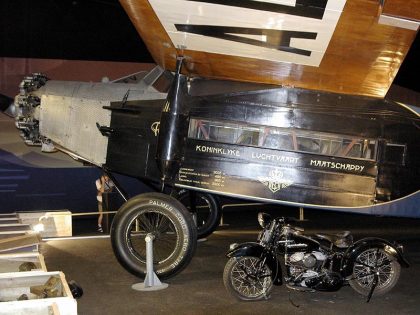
322 262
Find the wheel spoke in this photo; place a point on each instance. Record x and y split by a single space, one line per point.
162 227
145 223
164 224
249 279
370 262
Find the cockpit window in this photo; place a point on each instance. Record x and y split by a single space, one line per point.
163 83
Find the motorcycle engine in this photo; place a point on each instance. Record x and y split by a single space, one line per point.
305 270
304 260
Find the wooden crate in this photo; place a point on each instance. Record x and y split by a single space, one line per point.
9 220
19 243
55 223
8 215
13 285
8 234
12 262
20 308
14 227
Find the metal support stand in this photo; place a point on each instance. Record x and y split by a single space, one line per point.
151 282
222 222
301 214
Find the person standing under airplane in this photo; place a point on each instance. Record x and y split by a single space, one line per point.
103 185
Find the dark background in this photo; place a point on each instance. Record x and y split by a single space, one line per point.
99 30
69 29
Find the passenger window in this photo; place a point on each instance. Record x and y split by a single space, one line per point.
278 140
369 149
307 144
351 148
199 129
290 139
335 147
222 133
247 136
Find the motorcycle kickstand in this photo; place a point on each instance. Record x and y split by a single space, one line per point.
374 284
291 301
375 278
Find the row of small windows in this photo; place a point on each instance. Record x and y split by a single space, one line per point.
282 139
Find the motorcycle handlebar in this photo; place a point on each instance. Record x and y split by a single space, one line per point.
287 220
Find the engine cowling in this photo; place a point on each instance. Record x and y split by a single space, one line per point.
26 107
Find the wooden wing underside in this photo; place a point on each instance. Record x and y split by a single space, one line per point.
344 46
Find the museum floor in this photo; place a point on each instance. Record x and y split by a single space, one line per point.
199 288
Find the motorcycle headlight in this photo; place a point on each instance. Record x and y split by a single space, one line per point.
264 219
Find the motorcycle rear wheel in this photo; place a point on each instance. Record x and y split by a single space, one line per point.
246 279
388 267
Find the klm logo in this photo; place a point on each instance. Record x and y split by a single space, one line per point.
275 181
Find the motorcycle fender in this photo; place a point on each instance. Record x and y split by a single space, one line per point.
366 243
255 250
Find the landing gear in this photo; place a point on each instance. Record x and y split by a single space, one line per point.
204 208
175 236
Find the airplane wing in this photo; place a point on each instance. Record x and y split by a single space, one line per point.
344 46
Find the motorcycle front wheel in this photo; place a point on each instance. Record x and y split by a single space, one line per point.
369 262
247 278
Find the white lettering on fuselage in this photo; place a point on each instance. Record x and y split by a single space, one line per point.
274 158
337 165
216 150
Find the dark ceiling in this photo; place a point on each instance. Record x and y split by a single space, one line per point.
99 30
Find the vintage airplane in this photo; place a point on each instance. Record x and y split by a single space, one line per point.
278 101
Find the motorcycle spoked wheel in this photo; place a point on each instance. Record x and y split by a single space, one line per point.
208 212
174 232
246 279
364 267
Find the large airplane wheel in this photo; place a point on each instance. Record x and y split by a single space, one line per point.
205 209
175 235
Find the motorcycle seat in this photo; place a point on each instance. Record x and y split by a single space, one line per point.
341 239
